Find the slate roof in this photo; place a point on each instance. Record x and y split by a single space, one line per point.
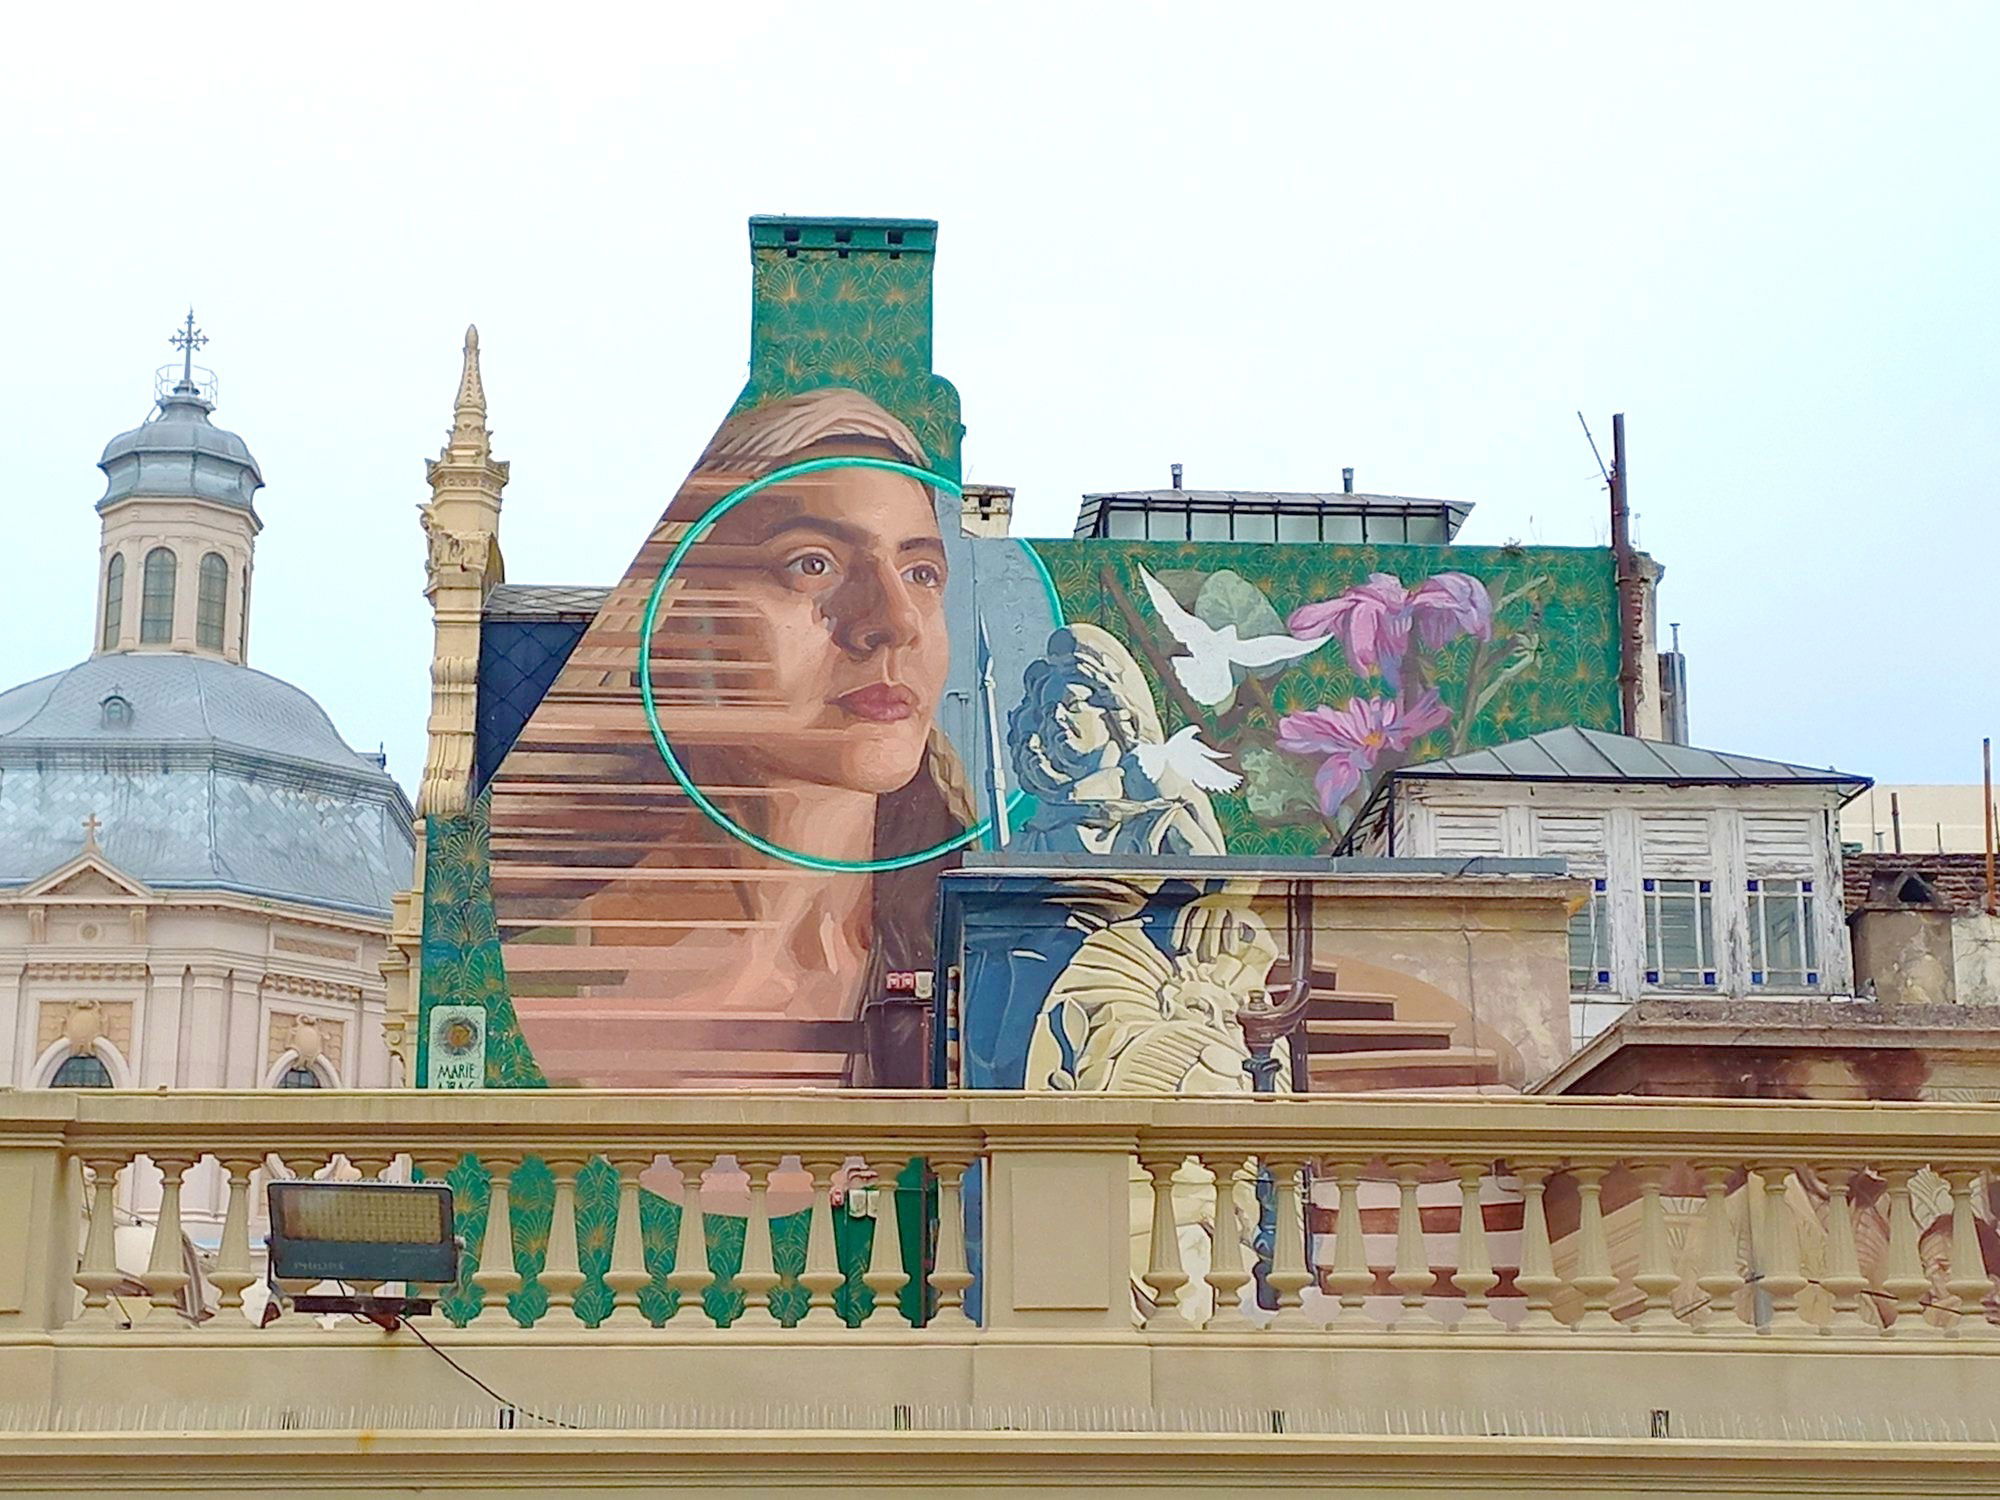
178 452
224 778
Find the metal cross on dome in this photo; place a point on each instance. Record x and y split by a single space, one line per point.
187 340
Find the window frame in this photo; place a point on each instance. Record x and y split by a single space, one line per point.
158 586
1706 968
1596 912
211 602
111 623
1810 976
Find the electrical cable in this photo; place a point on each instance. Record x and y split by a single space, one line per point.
506 1405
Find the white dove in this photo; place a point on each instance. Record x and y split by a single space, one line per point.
1206 670
1198 763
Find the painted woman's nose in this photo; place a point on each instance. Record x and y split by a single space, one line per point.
872 611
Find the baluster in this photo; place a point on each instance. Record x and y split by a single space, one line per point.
1969 1284
436 1169
99 1275
1227 1275
1350 1279
952 1276
562 1271
1474 1277
1721 1277
1165 1275
690 1276
166 1270
496 1277
1784 1273
1656 1278
759 1274
627 1275
233 1271
1289 1277
1593 1281
1843 1280
822 1276
1412 1276
885 1277
1537 1277
1905 1281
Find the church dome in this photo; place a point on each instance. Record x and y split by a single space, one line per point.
205 775
179 453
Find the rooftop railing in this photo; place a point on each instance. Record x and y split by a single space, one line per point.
845 1214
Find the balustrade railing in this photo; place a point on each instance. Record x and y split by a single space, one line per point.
845 1214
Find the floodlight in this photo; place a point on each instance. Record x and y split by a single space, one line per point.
365 1232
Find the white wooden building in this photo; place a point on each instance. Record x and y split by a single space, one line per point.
1714 875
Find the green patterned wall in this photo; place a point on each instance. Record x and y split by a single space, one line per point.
853 312
1551 659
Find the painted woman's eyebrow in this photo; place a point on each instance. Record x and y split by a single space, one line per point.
826 526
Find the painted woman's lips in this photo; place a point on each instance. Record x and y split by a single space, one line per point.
879 703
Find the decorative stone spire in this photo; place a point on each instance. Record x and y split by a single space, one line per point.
462 522
469 419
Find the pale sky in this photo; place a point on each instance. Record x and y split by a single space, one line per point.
1411 239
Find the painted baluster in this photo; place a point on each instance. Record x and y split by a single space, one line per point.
1227 1275
1165 1274
1412 1276
166 1270
1969 1284
233 1271
759 1274
1655 1277
1905 1281
99 1275
1537 1278
1350 1279
1721 1275
885 1277
628 1276
822 1276
496 1277
1474 1277
1289 1277
1843 1280
691 1276
952 1276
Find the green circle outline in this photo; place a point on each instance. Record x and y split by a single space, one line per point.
695 794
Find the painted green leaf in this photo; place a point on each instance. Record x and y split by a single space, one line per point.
1275 783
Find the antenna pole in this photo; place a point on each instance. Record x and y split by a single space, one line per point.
1625 580
1986 755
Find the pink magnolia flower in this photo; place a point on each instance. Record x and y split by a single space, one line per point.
1372 621
1351 739
1448 605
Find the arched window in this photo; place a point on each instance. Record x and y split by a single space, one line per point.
114 601
117 711
299 1076
82 1070
156 598
211 602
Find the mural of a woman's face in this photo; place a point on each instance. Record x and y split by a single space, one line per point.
843 573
